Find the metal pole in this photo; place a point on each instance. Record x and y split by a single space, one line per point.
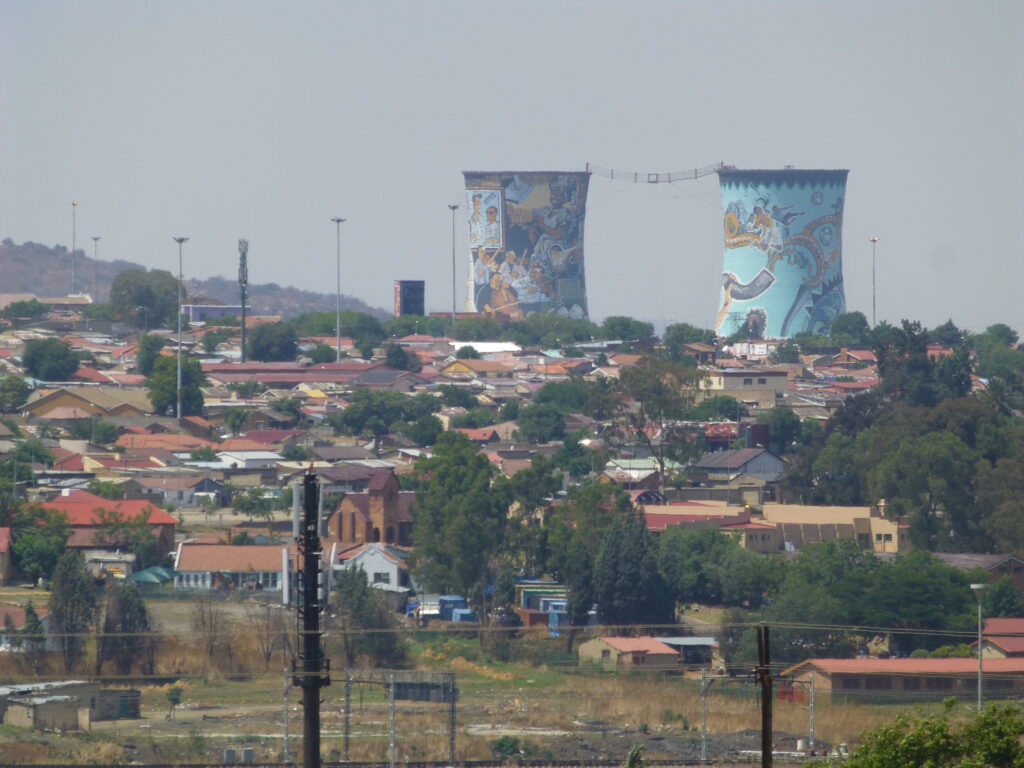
348 711
74 227
95 274
180 241
764 674
453 208
315 668
810 734
391 721
286 752
703 716
451 718
243 283
979 591
338 221
874 242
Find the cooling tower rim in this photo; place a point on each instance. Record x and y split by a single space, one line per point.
501 173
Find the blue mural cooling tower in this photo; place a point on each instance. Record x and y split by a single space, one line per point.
783 263
526 243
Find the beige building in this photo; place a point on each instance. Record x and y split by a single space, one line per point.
752 387
629 653
802 525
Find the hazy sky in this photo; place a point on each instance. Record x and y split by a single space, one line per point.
220 120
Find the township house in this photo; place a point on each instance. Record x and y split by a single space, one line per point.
227 566
642 653
1002 639
83 511
865 679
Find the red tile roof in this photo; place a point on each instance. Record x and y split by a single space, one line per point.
228 557
862 666
80 508
638 645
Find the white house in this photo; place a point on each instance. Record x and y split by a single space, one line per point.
385 567
227 566
250 459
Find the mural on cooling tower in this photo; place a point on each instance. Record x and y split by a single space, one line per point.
526 242
783 266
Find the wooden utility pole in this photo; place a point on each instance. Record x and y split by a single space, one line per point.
764 678
315 667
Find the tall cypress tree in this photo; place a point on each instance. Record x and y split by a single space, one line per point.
72 603
628 586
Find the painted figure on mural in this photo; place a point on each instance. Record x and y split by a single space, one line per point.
503 299
558 223
476 222
492 228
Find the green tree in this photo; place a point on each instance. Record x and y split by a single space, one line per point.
467 352
541 423
72 604
33 309
372 412
678 334
424 431
401 359
321 353
628 587
246 390
163 387
717 408
40 539
849 328
579 578
661 392
787 352
626 329
235 420
204 453
213 339
34 635
95 430
124 627
990 738
273 342
459 520
147 353
365 625
783 429
14 391
49 360
146 297
173 696
108 489
294 453
253 503
573 457
457 397
1003 600
132 534
925 476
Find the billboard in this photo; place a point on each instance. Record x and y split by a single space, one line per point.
783 265
526 243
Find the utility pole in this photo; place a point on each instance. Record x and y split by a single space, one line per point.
763 672
453 207
243 282
811 730
338 221
315 667
703 716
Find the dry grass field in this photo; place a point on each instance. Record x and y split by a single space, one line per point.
554 711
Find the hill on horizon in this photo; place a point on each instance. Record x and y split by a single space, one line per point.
46 272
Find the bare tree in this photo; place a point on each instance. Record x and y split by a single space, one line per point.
211 626
269 630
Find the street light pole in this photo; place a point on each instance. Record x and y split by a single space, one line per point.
180 241
338 221
453 207
95 279
874 242
979 591
74 228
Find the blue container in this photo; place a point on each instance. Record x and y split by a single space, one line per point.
557 620
464 615
448 603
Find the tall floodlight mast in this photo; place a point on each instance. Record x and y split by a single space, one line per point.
243 282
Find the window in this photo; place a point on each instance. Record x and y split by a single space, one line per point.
911 683
938 683
762 381
747 382
606 654
851 683
878 683
382 578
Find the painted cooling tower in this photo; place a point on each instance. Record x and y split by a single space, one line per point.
783 264
526 243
